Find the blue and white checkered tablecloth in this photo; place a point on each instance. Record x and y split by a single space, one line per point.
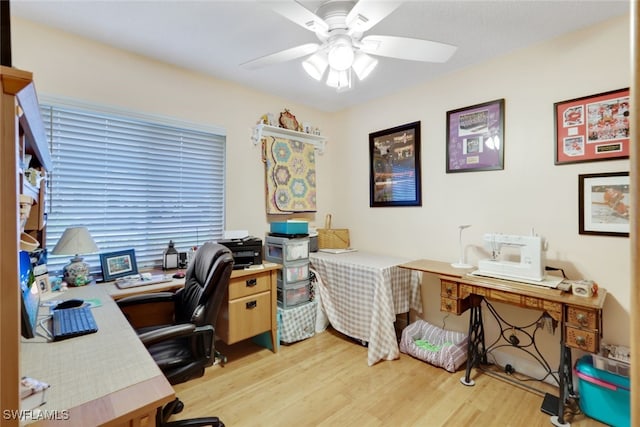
361 293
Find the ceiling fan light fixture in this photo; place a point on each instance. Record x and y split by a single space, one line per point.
341 55
363 65
315 65
339 79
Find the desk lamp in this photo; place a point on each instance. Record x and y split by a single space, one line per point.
462 263
75 241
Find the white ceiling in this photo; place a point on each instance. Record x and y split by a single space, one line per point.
214 37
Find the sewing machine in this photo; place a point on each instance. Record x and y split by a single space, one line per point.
529 268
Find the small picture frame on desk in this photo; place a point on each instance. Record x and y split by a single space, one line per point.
118 264
44 283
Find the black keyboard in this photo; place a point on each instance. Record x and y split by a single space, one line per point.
73 322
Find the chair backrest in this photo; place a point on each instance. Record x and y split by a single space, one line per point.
206 282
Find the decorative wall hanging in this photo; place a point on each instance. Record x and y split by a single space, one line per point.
290 175
394 165
591 128
604 204
475 137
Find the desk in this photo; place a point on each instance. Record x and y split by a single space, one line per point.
361 294
579 318
249 307
102 378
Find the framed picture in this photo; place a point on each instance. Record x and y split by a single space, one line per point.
592 128
604 204
118 264
43 283
475 137
394 165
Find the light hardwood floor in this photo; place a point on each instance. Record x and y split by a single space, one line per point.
325 381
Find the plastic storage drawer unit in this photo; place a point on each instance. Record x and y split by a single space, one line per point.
604 396
294 272
282 250
293 294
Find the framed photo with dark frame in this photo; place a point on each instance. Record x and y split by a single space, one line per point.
592 128
475 137
394 165
604 204
118 264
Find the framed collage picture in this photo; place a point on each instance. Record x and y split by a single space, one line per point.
592 128
394 165
475 137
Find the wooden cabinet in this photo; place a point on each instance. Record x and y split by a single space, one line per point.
22 132
250 306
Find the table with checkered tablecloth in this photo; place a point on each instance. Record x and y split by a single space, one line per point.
361 293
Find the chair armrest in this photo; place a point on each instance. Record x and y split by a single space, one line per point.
145 299
167 333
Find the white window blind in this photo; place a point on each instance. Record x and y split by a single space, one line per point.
133 183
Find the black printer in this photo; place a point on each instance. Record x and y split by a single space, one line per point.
246 251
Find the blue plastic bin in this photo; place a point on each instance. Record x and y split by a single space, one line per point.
604 396
290 227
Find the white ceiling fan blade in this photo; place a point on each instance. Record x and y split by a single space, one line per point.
408 48
367 13
297 13
282 56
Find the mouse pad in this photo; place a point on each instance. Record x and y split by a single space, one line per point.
93 302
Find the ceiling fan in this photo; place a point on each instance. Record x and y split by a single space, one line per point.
340 26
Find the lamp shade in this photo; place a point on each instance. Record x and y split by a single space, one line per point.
341 54
339 79
315 65
363 65
75 241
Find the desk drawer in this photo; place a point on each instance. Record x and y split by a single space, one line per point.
449 289
582 339
455 306
582 318
244 317
249 285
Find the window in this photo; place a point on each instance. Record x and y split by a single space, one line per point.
133 181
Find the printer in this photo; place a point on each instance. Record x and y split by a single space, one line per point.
246 251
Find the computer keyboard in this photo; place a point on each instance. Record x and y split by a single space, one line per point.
73 322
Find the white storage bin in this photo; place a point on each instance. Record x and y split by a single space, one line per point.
297 323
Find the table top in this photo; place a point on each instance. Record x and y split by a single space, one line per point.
96 377
360 258
115 292
445 270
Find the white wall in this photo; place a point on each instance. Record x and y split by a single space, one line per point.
530 192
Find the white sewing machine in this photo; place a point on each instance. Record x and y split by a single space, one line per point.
529 268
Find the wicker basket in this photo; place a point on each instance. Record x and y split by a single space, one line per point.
332 238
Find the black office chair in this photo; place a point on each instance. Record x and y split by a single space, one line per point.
184 347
